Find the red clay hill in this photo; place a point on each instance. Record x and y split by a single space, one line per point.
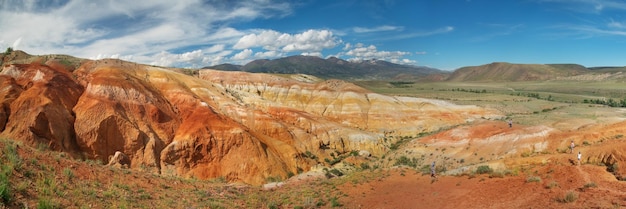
241 126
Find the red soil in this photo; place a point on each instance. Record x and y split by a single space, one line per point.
409 189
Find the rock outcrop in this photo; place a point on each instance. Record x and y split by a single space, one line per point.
240 126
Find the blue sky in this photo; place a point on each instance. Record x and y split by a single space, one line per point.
444 34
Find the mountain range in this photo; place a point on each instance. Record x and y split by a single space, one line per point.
334 68
385 71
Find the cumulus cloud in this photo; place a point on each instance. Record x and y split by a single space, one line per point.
371 52
243 55
188 33
361 52
268 54
309 41
115 27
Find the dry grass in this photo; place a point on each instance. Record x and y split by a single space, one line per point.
47 179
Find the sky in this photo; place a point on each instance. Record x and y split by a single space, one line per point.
443 34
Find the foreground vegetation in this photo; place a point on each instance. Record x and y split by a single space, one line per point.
40 178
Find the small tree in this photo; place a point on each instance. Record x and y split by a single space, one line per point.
9 50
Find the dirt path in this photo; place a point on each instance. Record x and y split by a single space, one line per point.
584 174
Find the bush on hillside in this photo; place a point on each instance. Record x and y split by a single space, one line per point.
484 169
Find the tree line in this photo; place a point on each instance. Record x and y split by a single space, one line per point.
609 102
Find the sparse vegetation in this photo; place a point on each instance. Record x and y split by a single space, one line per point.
68 173
483 169
401 84
334 202
590 185
552 184
365 166
533 179
612 168
569 197
497 174
403 160
274 179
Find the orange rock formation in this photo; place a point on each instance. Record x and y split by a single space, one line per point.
241 126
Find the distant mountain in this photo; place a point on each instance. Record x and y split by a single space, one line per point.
608 69
227 67
501 71
334 68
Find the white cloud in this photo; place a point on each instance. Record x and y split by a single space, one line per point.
267 39
371 52
139 28
186 33
317 54
268 54
17 43
308 41
347 46
377 29
215 48
243 55
360 52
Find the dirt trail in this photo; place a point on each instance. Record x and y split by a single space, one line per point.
584 174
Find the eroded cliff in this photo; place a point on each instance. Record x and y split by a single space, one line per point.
241 126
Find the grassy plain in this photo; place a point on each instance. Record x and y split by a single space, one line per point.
535 102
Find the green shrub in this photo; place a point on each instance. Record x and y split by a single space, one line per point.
483 169
5 190
336 172
365 166
612 168
334 202
590 185
68 173
310 155
44 203
403 160
552 185
570 196
354 153
10 153
533 179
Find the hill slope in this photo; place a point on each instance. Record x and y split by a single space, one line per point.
335 68
499 71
